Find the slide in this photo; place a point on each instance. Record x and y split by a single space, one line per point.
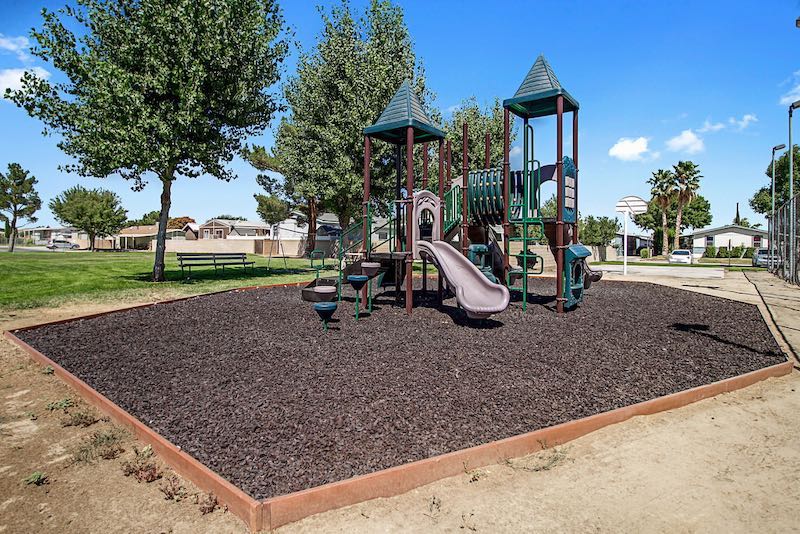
479 297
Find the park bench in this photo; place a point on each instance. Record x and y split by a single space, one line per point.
215 259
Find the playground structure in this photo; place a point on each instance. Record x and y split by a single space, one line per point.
481 212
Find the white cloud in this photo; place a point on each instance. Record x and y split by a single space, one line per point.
793 95
12 78
687 141
629 149
452 109
709 126
744 122
516 150
15 45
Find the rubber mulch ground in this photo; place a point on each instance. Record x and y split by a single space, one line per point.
247 383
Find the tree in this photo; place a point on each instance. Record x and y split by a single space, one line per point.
761 202
230 217
696 214
177 223
687 182
152 87
19 201
599 231
95 211
662 192
273 211
149 218
480 121
340 87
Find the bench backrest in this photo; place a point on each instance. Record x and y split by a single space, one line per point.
211 256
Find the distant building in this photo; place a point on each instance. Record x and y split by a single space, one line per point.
41 235
140 237
229 228
730 235
635 243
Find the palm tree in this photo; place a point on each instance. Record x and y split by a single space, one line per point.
687 182
662 190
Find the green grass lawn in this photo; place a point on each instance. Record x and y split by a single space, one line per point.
33 279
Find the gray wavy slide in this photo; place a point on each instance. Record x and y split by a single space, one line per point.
478 296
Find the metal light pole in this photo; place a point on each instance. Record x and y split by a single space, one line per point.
772 262
792 221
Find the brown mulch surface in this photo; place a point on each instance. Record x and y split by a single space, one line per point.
247 383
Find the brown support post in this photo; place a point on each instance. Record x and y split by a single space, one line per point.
464 167
487 157
575 160
424 186
441 211
560 204
506 186
365 207
409 217
424 165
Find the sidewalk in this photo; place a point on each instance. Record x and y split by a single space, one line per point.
783 302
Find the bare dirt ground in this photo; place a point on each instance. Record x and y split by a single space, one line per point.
727 464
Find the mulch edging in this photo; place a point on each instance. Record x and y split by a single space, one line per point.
264 511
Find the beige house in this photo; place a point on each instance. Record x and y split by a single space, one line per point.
141 237
730 235
227 228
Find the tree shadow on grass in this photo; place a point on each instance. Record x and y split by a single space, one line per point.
200 275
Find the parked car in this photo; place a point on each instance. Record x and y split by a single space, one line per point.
61 244
681 256
762 258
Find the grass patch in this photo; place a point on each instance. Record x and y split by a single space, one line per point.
62 404
103 444
35 279
142 467
37 478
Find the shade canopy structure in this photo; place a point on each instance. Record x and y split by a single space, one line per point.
539 92
404 110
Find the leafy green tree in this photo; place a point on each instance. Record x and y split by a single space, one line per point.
230 217
153 87
761 202
341 87
19 201
95 211
599 231
662 192
177 223
696 214
151 217
687 182
480 121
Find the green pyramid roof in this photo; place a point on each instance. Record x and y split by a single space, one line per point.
537 95
404 110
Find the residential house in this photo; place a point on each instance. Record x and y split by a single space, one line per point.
42 235
228 228
141 237
730 235
191 231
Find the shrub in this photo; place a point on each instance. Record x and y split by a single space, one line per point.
711 252
749 251
722 252
208 503
737 251
172 488
142 467
644 253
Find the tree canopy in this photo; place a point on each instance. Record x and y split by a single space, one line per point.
97 212
151 217
480 121
152 87
19 201
341 87
598 231
761 202
696 214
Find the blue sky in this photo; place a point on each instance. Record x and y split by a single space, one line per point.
657 82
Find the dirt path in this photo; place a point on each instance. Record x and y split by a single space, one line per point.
727 464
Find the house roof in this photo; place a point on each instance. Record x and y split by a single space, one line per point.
538 93
234 223
735 228
193 226
144 230
404 110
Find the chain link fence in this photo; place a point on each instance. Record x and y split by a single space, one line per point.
787 257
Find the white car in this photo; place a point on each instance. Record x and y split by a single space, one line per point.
681 256
62 244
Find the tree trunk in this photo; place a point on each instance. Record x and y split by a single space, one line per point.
91 242
678 218
13 236
311 238
161 237
344 221
665 234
